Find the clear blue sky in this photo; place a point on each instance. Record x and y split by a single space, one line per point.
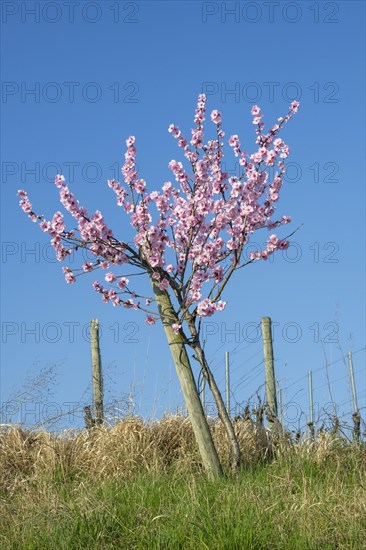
101 71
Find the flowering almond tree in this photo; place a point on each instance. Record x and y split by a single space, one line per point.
189 239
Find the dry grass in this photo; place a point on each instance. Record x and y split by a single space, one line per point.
132 446
141 485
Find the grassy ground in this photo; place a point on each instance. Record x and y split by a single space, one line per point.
142 487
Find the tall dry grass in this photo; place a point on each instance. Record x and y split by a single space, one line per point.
134 446
140 485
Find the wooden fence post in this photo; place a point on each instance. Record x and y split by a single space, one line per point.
311 406
270 374
97 372
352 379
89 420
356 415
279 400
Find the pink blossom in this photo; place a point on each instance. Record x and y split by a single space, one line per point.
167 186
174 130
205 308
110 277
70 278
220 306
255 110
97 287
216 116
176 328
139 186
150 320
122 282
59 180
283 244
45 226
25 204
105 296
87 266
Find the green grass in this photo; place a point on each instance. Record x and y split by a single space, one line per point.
293 502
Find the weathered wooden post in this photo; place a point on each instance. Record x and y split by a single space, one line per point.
227 377
89 420
311 406
270 374
97 372
356 418
352 379
279 400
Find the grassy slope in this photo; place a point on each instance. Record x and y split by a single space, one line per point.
306 497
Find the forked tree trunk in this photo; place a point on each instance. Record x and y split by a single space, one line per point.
221 409
188 384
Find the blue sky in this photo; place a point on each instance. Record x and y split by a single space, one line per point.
77 80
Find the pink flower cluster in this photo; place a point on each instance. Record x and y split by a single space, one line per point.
26 205
93 232
273 244
188 236
206 308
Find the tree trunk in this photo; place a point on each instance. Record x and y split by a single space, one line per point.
221 409
188 384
